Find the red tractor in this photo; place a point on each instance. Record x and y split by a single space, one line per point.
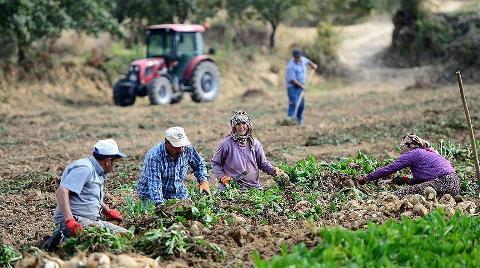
175 64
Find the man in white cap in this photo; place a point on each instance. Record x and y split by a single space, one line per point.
80 194
165 169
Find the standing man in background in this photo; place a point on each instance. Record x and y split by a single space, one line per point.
295 80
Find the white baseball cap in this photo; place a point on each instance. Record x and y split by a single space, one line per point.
108 147
177 137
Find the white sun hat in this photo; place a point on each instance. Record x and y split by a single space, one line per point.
177 137
108 147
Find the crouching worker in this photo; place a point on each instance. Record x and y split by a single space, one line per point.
429 169
80 194
240 156
165 169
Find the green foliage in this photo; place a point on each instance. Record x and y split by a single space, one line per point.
28 20
362 164
118 59
94 239
324 49
172 241
272 11
202 209
432 241
8 255
134 208
302 171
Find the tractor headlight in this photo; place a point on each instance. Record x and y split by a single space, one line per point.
137 68
132 77
130 68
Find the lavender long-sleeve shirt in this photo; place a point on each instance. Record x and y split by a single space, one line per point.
231 159
424 164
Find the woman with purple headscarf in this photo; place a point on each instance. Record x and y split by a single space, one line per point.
241 156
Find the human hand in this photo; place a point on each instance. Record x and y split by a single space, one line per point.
113 214
73 226
280 173
225 180
204 187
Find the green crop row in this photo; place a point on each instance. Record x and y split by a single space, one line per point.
432 241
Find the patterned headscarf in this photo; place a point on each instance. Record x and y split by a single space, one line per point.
241 117
413 141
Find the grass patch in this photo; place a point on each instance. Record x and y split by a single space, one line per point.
433 241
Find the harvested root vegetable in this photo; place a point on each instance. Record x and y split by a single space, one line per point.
429 193
420 210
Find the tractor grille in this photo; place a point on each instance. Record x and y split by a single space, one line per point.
134 74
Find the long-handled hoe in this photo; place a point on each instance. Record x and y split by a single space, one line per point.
470 127
301 96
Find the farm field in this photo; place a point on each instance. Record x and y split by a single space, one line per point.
352 125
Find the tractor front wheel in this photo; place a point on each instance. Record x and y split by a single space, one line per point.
123 93
205 82
160 91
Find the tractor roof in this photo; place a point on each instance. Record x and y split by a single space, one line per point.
179 27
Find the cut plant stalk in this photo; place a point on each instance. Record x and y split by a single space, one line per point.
470 127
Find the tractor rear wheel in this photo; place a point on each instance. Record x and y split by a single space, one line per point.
205 82
123 95
160 91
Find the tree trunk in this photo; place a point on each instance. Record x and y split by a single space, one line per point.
272 34
21 53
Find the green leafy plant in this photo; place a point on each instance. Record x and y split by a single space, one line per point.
8 256
134 208
171 241
95 239
432 241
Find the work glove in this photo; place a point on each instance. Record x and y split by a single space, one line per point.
204 187
225 180
400 180
113 214
73 226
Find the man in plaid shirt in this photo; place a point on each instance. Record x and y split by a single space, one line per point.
165 169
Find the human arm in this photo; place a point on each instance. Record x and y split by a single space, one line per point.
150 182
405 160
262 161
112 214
62 195
199 168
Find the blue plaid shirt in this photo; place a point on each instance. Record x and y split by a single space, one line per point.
163 178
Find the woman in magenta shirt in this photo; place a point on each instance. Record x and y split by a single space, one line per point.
240 153
429 169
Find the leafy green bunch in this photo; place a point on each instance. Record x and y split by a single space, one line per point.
173 241
302 171
8 255
135 208
200 208
362 164
95 239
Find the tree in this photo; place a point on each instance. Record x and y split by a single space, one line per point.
142 13
271 11
29 20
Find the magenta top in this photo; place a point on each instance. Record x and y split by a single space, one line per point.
425 166
231 159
